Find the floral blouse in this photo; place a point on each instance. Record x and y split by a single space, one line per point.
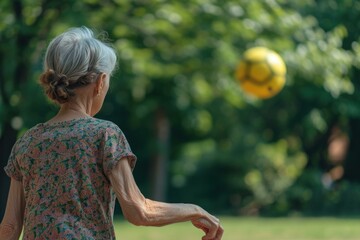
63 168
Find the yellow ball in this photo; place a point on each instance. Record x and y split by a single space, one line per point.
261 72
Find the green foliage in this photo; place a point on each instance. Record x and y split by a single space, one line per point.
309 197
274 170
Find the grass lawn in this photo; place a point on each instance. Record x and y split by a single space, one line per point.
251 229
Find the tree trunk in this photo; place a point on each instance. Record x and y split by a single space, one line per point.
160 165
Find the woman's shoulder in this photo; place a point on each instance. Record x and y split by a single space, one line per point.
94 125
89 123
104 124
104 129
79 123
26 136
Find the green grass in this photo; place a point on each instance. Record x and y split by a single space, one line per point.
251 229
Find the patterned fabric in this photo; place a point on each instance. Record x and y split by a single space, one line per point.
63 168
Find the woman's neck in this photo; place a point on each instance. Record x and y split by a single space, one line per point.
70 111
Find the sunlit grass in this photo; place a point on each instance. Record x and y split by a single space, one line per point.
251 228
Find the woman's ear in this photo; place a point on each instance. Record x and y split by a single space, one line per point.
100 83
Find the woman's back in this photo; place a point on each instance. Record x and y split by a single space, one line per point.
64 167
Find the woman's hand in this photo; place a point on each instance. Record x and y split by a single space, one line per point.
210 225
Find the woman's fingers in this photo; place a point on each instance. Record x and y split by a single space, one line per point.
199 223
219 233
211 234
211 227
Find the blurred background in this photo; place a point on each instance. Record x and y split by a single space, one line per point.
198 137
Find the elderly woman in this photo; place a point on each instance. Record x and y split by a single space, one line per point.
65 173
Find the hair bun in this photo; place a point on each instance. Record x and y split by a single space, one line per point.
56 86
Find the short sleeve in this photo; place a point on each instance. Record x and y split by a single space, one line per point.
116 147
12 168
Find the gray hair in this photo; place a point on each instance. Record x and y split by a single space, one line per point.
73 59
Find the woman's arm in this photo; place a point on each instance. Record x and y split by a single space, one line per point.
11 225
141 211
